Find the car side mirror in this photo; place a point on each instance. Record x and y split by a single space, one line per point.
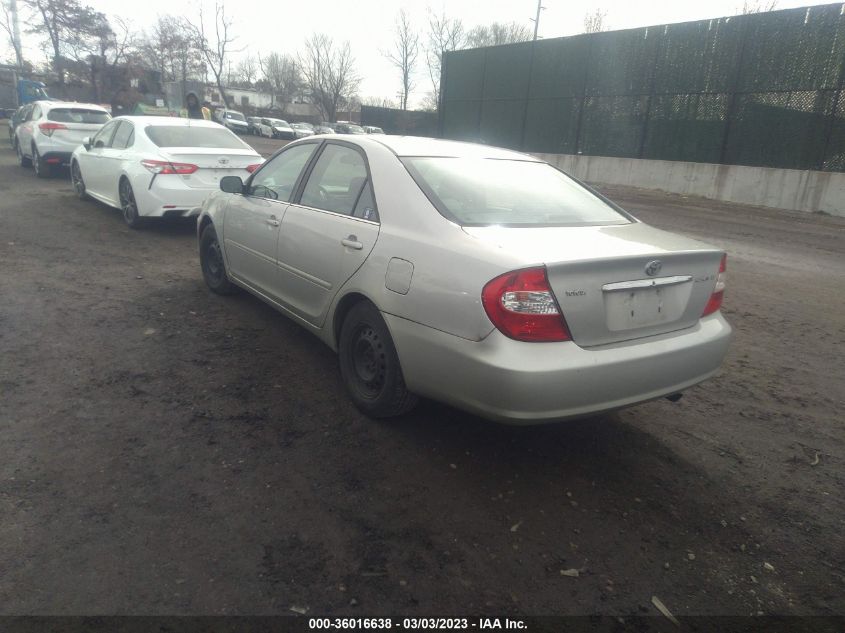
232 184
86 143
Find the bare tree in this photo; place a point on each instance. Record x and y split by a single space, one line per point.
329 74
498 33
65 23
444 34
7 21
215 44
758 6
171 48
247 71
594 21
283 76
404 53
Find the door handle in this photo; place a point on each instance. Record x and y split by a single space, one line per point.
352 242
272 221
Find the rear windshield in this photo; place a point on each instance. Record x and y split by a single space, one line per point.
486 192
194 136
77 115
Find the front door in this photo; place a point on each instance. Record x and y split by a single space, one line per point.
253 219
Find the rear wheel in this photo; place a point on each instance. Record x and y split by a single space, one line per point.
128 205
23 160
76 179
211 261
370 366
42 169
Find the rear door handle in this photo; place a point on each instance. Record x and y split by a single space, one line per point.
352 242
272 221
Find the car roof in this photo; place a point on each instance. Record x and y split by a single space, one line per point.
421 146
169 120
70 104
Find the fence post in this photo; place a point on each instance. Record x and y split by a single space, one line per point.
731 109
583 103
527 95
478 138
441 101
657 57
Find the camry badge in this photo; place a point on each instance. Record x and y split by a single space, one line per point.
652 268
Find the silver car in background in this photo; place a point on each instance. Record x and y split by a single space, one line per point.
476 276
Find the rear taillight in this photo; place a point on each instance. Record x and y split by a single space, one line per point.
252 168
521 306
49 127
163 167
715 301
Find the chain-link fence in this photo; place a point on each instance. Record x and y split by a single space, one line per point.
760 89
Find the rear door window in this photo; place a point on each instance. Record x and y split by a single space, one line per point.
124 137
337 180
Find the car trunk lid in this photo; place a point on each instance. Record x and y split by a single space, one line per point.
213 163
616 283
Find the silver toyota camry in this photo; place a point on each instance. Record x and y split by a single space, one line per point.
476 276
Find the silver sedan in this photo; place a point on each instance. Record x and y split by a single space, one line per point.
476 276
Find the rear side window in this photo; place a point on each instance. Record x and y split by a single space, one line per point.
513 193
78 115
194 136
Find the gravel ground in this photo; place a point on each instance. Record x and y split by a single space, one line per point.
167 451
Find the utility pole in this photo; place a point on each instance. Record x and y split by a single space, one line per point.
536 20
16 32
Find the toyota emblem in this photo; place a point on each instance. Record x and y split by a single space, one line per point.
223 161
652 268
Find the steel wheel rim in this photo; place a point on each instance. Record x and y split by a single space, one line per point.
369 361
214 261
127 202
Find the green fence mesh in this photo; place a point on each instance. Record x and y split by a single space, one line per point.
761 89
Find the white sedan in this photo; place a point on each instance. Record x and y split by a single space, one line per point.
158 166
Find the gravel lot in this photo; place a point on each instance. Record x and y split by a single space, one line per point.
167 451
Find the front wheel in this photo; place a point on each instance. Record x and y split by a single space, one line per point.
128 205
370 366
78 182
212 264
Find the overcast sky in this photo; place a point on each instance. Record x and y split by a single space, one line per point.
265 26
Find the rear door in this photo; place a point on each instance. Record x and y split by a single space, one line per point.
25 129
253 219
328 233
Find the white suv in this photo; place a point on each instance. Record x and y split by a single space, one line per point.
51 130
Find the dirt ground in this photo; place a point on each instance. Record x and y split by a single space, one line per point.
164 450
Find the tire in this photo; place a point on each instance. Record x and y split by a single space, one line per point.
212 264
23 160
128 206
77 181
42 169
370 366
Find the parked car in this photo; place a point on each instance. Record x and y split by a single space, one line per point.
372 129
477 276
301 130
149 166
348 128
50 130
323 128
276 128
253 123
15 120
235 121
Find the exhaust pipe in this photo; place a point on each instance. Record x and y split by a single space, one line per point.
674 397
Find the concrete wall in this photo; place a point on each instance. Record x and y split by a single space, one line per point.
790 189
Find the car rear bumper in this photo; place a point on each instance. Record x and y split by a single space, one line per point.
528 383
56 158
